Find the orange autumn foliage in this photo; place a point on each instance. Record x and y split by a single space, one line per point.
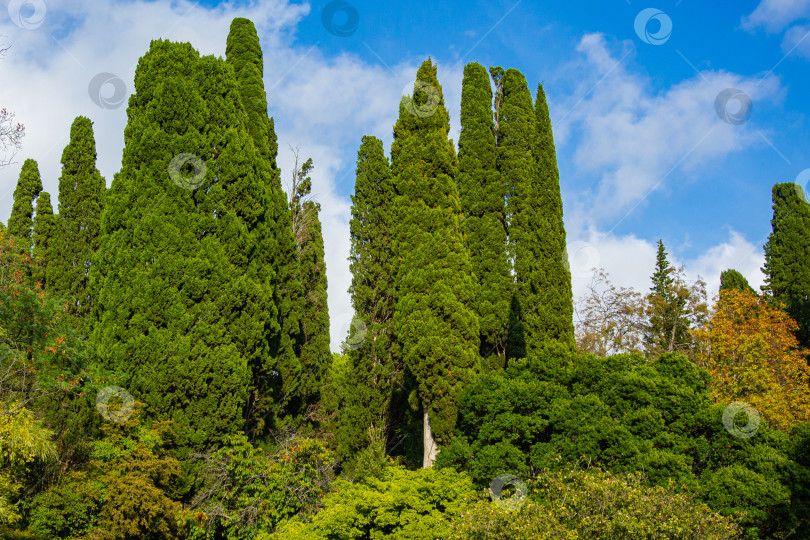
750 350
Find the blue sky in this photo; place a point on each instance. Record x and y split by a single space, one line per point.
642 152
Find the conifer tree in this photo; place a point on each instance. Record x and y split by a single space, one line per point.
373 355
185 304
315 354
517 126
244 54
45 229
482 202
732 279
787 272
552 317
667 329
434 320
29 186
81 201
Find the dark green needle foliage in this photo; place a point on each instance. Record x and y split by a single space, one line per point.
434 319
550 315
787 252
20 223
81 201
244 54
732 279
315 354
45 228
373 353
185 304
667 327
482 202
517 126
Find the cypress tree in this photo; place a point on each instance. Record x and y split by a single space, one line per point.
244 54
29 186
550 315
732 279
81 201
482 200
787 273
45 229
434 319
184 305
315 353
517 126
373 359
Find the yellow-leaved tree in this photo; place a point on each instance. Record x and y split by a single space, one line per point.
750 350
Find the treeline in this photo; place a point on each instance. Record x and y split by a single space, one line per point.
166 370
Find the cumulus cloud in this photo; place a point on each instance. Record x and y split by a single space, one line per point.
631 139
776 15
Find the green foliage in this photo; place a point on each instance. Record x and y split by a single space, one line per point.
44 233
732 279
248 492
549 314
417 505
28 188
122 492
595 504
373 357
482 200
517 127
76 239
622 413
183 301
434 320
787 275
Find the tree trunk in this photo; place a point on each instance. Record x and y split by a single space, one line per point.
429 442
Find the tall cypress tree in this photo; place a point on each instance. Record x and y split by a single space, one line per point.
550 315
244 54
482 201
517 126
374 355
45 229
732 279
184 305
434 319
29 186
81 201
787 273
315 354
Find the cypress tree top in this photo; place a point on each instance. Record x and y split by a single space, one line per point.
787 272
482 199
28 188
732 279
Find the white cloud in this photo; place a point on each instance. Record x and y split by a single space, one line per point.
776 15
630 261
630 138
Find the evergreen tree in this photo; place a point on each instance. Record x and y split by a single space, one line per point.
373 356
29 186
517 126
244 54
787 252
81 201
434 319
732 279
482 201
667 327
185 302
315 353
45 229
551 317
